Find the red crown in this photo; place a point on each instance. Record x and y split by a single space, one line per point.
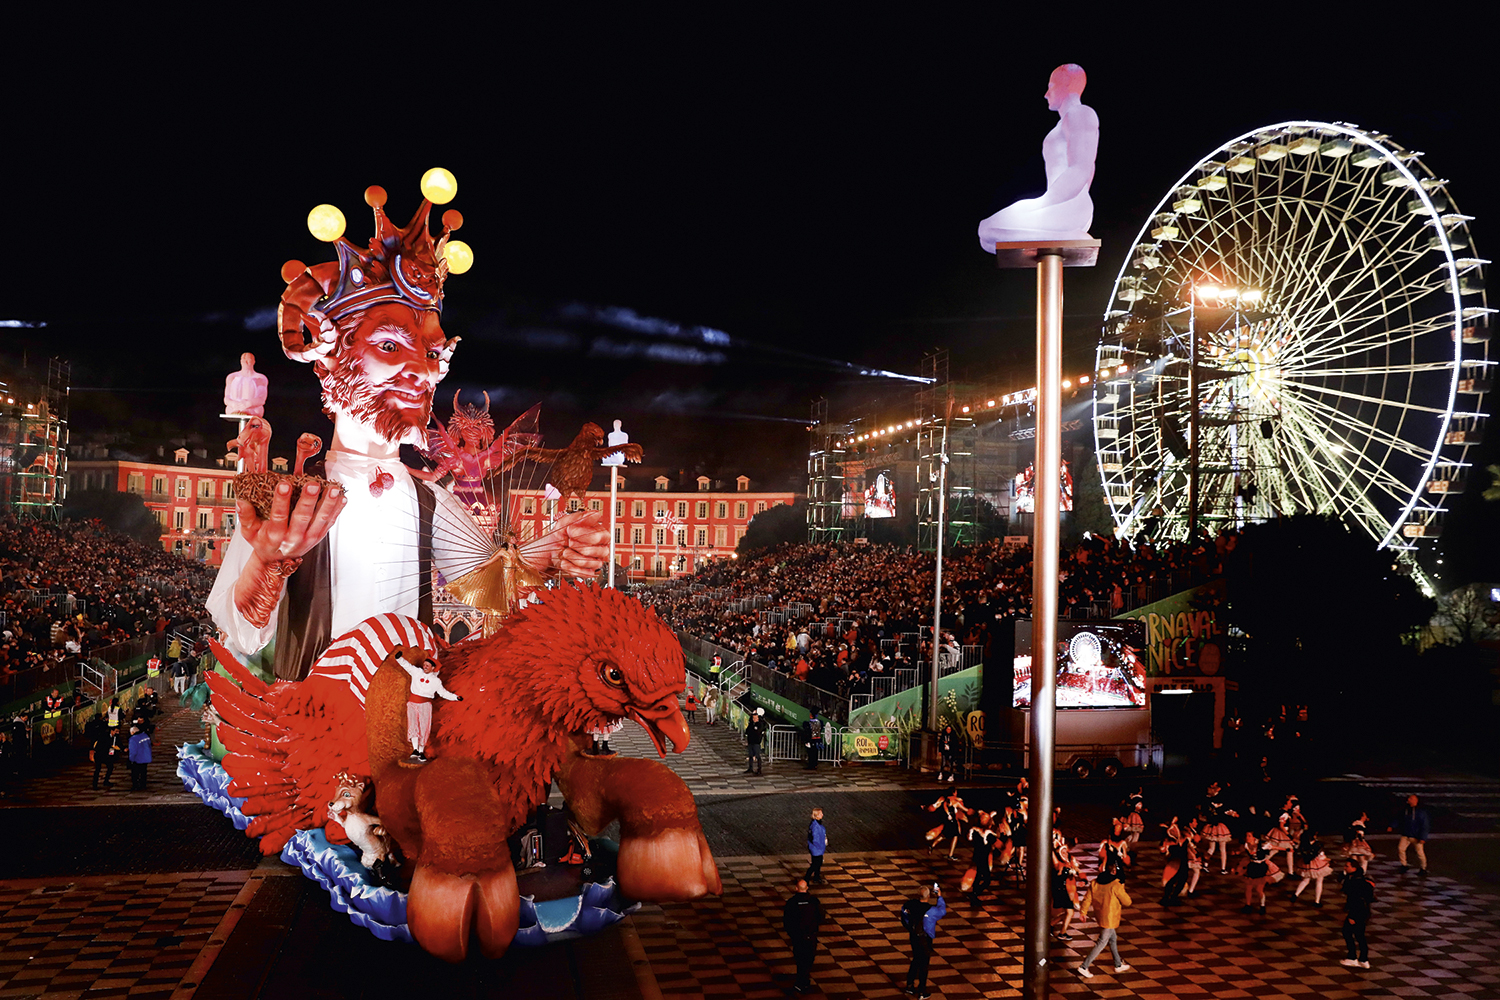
403 265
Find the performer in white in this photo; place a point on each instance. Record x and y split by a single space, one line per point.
425 685
1065 212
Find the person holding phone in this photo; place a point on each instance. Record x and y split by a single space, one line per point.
920 916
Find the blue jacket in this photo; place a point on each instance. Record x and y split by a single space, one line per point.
817 838
929 918
1414 823
140 749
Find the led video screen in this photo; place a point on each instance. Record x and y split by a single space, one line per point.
1023 489
1097 664
880 496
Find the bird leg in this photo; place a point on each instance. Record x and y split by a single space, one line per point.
664 856
448 819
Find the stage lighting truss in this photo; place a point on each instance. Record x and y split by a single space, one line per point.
1337 303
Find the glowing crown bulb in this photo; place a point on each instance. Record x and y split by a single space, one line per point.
460 258
326 223
439 186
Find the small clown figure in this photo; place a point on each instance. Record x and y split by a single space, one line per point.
425 685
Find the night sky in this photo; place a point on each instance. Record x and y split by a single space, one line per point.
806 183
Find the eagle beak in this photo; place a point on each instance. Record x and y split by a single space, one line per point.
663 721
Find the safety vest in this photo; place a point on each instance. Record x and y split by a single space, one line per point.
718 663
153 667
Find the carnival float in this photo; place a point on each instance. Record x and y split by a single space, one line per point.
405 665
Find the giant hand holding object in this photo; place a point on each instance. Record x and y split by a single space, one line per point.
1065 212
584 659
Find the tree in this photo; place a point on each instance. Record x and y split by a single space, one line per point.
1465 615
122 512
1090 512
1492 491
774 525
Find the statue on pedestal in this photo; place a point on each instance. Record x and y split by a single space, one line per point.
1065 212
245 390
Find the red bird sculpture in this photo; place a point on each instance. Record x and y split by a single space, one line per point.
583 659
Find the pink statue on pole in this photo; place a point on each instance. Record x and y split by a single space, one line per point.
245 390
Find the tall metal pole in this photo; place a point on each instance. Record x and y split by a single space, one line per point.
614 485
1048 485
1192 417
937 599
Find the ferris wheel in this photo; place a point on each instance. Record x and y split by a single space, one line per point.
1301 326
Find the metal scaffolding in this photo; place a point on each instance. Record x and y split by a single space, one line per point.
825 477
34 441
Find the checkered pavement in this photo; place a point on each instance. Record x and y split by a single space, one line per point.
105 936
1429 937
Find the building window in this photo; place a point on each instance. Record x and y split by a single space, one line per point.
661 536
619 508
278 465
573 505
721 509
637 563
638 509
760 506
549 508
721 536
661 508
702 536
739 533
703 510
741 510
637 535
528 505
682 538
206 489
159 485
135 483
659 566
161 518
742 484
661 485
596 505
682 510
88 480
619 531
203 517
229 489
179 519
703 484
182 488
227 523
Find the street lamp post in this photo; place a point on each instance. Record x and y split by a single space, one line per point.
937 600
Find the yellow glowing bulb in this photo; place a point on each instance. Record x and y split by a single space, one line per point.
460 257
439 186
326 223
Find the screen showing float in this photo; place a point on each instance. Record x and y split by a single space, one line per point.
1023 489
1098 665
880 496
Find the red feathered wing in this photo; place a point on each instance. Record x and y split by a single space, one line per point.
288 742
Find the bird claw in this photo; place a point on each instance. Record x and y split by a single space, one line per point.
444 911
671 865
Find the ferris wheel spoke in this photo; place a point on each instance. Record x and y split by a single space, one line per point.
1362 398
1379 299
1389 439
1336 496
1370 335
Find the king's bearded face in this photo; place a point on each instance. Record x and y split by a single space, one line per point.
389 361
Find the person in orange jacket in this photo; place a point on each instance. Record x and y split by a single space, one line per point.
1107 897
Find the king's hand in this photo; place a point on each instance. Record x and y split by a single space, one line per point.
577 545
278 543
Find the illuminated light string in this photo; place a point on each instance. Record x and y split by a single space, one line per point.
1010 399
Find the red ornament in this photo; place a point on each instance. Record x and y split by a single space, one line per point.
383 481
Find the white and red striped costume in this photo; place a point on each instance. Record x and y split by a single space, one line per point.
360 652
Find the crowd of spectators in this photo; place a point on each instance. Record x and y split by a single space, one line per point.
881 592
72 587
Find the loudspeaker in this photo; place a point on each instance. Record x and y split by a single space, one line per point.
1266 429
